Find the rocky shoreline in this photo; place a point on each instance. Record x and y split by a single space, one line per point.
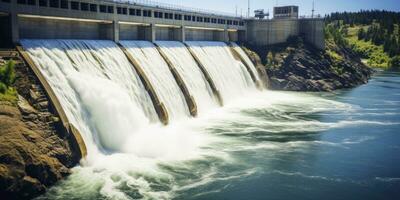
300 67
34 151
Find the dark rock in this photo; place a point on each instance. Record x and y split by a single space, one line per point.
307 69
35 152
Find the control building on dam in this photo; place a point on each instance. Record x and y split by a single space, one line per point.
124 20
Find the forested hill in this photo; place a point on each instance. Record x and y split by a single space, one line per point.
374 34
366 17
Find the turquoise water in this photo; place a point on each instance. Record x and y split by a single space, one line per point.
270 145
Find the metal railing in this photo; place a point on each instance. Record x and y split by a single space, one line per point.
155 4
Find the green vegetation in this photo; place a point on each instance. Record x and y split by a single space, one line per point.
7 78
374 35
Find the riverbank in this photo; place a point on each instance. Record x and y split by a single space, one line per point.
297 66
34 151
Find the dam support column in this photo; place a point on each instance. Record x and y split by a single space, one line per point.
153 31
225 35
14 28
14 23
181 35
115 31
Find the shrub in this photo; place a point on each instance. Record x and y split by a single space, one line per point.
7 74
3 88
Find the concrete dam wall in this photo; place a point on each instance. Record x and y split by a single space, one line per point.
108 20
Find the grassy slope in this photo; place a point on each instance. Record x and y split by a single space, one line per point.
373 54
7 94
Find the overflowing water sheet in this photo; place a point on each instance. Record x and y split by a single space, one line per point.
97 87
229 75
160 76
249 63
191 74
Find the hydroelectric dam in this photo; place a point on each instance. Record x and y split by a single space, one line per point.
134 64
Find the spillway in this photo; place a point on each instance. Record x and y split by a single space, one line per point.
160 76
246 59
229 75
97 87
191 74
103 94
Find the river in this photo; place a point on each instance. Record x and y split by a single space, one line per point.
267 145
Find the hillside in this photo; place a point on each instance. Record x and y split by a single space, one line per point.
373 35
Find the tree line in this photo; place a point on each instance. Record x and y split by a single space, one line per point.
378 26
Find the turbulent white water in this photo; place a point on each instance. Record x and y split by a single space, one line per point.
191 74
97 87
105 99
229 75
164 83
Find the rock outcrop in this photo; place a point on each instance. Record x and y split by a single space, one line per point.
34 150
303 68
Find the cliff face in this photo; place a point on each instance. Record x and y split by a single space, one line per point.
34 150
300 67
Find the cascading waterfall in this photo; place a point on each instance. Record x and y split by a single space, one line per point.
97 87
229 75
246 59
191 74
103 96
157 70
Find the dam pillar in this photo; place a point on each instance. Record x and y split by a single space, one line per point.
182 37
153 32
225 35
115 31
14 23
14 28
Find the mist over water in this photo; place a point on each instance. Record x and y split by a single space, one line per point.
260 145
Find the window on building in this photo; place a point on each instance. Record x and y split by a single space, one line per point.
187 18
31 2
132 11
54 3
84 6
64 4
93 7
147 13
21 1
103 8
122 11
158 14
230 22
241 23
138 12
74 5
43 3
110 9
178 17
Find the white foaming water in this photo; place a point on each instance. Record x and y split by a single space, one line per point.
229 75
191 74
161 78
150 161
246 59
97 87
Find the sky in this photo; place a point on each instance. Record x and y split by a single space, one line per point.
321 6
